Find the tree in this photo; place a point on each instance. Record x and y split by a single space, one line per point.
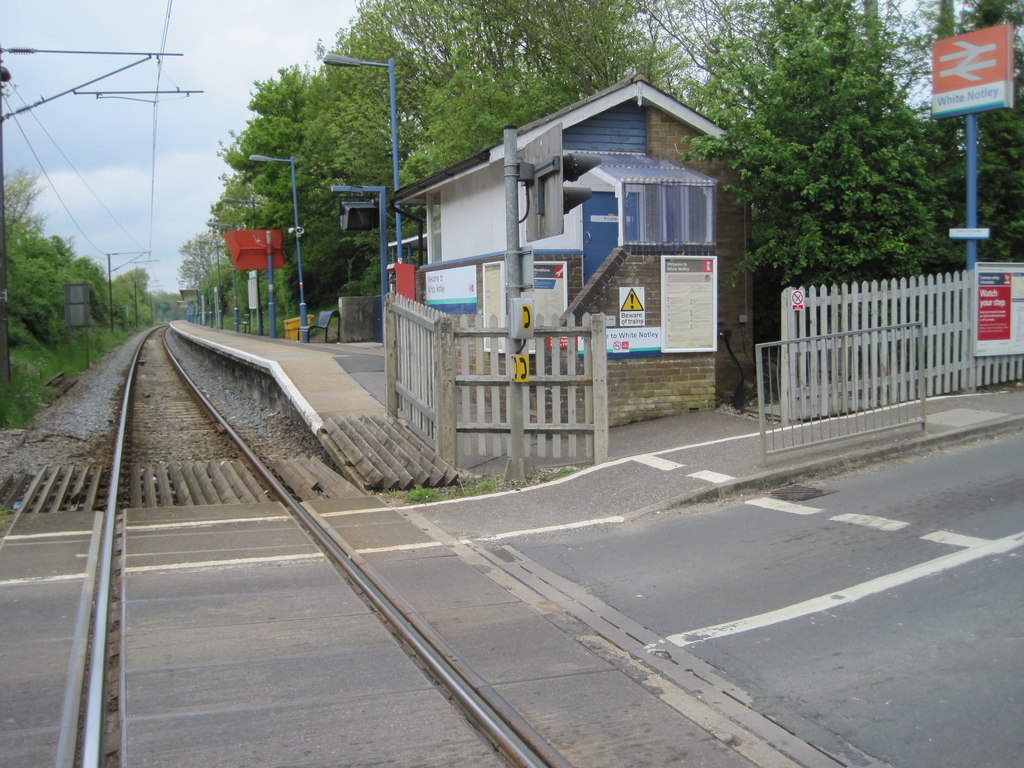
829 154
38 267
464 69
205 266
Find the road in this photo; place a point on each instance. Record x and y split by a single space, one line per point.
884 616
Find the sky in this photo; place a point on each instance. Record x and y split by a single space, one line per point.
104 186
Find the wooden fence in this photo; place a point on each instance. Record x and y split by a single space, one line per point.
448 376
941 303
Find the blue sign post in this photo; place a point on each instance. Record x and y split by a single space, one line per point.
972 73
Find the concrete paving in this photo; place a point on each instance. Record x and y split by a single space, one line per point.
44 601
593 692
243 646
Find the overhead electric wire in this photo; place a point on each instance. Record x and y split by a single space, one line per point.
156 120
53 186
77 173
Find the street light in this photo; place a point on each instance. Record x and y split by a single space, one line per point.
303 324
337 60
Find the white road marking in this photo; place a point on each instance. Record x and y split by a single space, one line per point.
851 594
54 535
43 580
200 564
656 462
784 506
954 539
549 529
871 521
401 547
204 523
711 477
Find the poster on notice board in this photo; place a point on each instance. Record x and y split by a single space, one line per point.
999 309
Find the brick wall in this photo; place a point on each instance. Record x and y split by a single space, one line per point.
673 383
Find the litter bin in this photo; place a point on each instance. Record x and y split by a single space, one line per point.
292 325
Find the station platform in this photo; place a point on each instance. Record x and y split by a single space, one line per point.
323 380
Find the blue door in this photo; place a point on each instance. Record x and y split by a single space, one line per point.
600 230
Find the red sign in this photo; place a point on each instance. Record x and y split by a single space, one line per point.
994 302
973 72
563 342
797 299
248 248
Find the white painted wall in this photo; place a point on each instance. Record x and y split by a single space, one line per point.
473 218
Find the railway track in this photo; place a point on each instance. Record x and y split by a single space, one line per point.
177 464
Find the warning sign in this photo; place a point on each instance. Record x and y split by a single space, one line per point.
631 307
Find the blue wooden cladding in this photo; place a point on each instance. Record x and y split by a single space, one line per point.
619 129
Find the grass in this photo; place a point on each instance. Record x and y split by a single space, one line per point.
483 486
32 367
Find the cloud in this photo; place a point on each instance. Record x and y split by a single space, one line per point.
227 46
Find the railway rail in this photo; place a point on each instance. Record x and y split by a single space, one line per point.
172 450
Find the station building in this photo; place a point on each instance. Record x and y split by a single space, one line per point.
655 249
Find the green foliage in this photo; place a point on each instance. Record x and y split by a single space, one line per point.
830 157
34 365
481 487
846 175
421 495
38 268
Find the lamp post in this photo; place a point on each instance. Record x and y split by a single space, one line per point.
216 226
298 236
337 60
5 354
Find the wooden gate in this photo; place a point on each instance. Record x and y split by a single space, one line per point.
448 376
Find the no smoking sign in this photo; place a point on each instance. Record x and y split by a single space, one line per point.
797 299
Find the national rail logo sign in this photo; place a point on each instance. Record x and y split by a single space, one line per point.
973 72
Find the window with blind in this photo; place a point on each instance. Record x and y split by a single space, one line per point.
668 214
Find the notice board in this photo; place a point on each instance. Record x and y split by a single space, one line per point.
999 309
689 303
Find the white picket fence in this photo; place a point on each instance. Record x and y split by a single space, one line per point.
448 376
863 357
941 303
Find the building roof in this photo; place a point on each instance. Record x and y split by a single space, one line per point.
636 88
631 168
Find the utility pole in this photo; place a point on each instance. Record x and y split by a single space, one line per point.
517 364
